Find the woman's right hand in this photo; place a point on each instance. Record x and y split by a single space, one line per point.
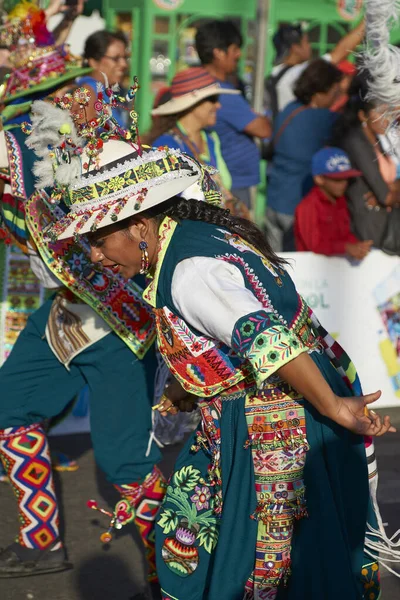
353 414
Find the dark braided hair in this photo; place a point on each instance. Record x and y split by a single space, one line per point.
195 210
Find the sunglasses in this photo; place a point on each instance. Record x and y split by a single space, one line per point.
213 99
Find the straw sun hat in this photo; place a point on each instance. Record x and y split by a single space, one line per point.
188 88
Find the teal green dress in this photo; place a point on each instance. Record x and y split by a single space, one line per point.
268 499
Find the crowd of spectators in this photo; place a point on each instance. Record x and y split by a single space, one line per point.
333 169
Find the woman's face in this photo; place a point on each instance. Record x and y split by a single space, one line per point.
114 63
206 112
118 249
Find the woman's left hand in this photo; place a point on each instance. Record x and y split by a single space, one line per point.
354 415
168 406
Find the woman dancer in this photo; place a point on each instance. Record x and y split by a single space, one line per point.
283 417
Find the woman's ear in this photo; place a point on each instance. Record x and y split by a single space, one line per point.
92 63
139 229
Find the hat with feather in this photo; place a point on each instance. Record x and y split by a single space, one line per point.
100 171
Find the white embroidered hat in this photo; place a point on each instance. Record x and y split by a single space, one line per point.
127 183
102 186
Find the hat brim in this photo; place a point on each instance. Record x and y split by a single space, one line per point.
82 222
14 110
49 84
182 103
343 174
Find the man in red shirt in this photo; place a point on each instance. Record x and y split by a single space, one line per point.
322 220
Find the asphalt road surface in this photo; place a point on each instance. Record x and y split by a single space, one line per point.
117 571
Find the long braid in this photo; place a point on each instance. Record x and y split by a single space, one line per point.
209 213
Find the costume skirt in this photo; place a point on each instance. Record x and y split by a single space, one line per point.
203 555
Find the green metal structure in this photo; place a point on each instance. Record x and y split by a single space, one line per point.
162 33
162 37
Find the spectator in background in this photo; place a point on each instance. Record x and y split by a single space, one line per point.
218 44
300 131
349 71
293 53
185 119
322 219
184 116
106 53
374 197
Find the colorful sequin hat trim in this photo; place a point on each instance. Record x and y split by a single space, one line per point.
38 64
127 186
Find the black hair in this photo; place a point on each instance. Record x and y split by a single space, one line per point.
287 36
97 44
216 34
358 100
195 210
318 77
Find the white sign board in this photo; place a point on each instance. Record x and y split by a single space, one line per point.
359 304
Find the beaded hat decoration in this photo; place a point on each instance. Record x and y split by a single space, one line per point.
100 170
38 64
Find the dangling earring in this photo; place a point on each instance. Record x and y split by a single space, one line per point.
364 124
145 258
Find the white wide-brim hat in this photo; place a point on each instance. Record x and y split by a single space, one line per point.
126 183
182 103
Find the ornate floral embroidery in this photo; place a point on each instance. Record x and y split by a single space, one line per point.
188 514
118 302
202 365
262 343
266 343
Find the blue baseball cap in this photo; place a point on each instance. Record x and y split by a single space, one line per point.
333 163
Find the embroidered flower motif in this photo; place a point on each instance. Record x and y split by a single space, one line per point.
196 346
261 341
78 261
247 328
82 96
201 497
273 356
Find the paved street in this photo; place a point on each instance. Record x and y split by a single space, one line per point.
116 572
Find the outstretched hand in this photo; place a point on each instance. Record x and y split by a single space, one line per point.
352 413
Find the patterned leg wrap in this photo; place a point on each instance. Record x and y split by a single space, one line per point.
145 498
25 455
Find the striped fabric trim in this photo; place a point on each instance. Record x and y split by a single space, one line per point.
190 80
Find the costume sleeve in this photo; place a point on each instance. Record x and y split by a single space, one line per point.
42 272
211 296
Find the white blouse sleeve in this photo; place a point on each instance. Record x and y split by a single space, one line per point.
42 271
211 296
